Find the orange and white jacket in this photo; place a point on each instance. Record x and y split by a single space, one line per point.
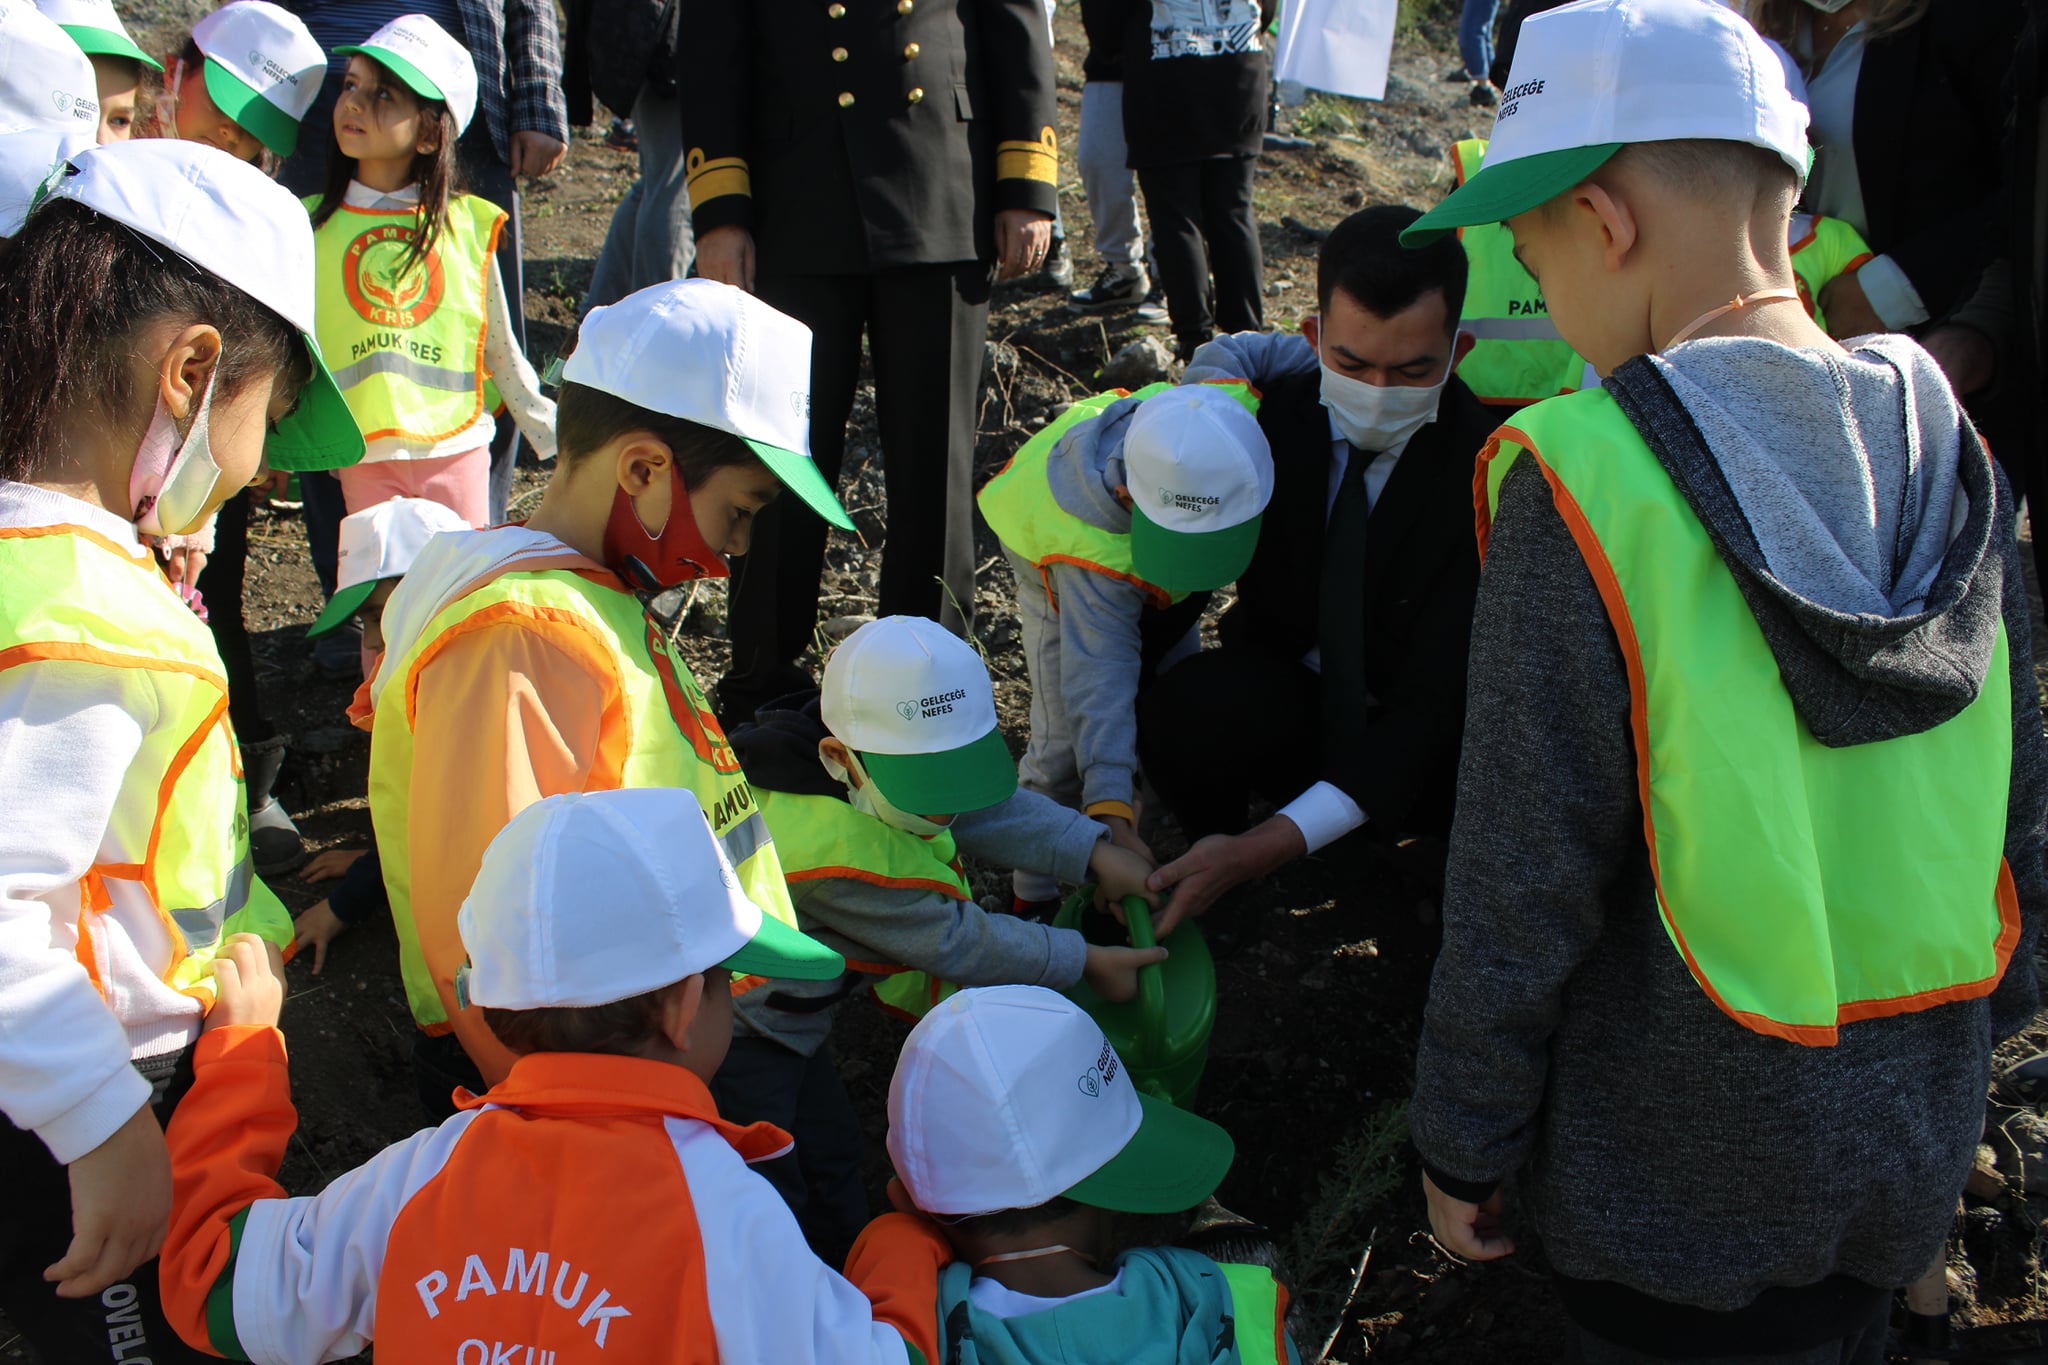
587 1208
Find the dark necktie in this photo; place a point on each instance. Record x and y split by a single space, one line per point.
1341 619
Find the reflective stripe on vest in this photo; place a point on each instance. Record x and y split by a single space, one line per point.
407 351
676 741
73 596
1517 357
1823 249
1258 1307
1806 887
1019 505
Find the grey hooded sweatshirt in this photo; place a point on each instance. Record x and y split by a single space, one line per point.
1666 1153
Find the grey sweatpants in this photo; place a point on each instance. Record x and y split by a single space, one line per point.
1111 186
649 241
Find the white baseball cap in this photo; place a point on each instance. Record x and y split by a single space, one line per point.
421 53
914 701
1591 77
717 356
1007 1096
96 28
263 68
378 543
46 81
28 159
1200 474
233 221
586 898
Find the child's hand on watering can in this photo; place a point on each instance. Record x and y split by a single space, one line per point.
1112 972
1118 872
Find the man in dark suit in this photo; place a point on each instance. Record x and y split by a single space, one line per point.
1339 686
868 166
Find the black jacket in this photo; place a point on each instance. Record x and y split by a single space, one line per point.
1197 79
866 134
1422 570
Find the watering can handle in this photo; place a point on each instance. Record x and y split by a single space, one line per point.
1151 978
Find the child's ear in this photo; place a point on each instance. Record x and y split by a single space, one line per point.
679 1009
836 751
643 460
1615 218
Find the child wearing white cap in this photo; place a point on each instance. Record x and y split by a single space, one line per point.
1115 552
1747 873
46 81
409 289
523 661
117 62
592 1205
179 280
242 81
874 788
1015 1125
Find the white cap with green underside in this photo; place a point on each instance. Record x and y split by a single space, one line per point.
420 53
263 69
45 80
97 29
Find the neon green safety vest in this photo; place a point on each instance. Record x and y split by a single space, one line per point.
676 742
1020 508
1805 887
1258 1308
72 595
1822 249
1517 357
818 837
407 352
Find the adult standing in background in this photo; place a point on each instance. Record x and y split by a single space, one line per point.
1475 49
524 132
867 166
1106 177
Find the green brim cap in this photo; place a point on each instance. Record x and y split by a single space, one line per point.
1190 561
799 473
272 126
414 78
320 432
340 607
972 777
106 42
1500 191
1174 1161
776 950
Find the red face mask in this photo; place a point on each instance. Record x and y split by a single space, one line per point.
677 553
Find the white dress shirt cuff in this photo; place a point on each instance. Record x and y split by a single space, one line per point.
1323 814
1892 296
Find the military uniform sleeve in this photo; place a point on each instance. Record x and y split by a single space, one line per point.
714 80
1016 49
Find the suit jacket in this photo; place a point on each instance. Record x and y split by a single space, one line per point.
1421 576
861 135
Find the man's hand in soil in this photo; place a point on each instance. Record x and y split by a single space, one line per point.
726 254
1112 972
330 863
318 927
248 984
1468 1230
120 1208
1216 864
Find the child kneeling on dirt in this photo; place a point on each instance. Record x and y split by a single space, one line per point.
1115 548
906 723
1013 1122
601 935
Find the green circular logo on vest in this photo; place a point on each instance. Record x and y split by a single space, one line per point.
378 286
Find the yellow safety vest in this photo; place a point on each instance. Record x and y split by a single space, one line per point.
676 742
1020 508
1805 886
1517 357
407 352
1822 249
70 594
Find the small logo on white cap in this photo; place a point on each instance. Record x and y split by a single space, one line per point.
1189 502
938 704
1095 1078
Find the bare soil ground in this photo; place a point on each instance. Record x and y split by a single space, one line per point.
1322 968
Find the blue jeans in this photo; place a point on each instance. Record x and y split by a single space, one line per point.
1475 37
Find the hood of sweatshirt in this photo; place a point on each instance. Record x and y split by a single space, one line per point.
778 749
1169 1307
1856 507
1086 467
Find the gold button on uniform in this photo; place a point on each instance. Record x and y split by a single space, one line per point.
835 11
905 6
916 93
846 99
838 54
910 52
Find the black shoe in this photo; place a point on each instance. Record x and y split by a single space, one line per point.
274 843
1484 95
1057 270
1153 312
1118 286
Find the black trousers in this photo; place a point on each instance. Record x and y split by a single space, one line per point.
925 326
123 1322
763 1081
220 584
1208 783
1203 225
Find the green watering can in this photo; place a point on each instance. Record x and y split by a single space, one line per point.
1163 1034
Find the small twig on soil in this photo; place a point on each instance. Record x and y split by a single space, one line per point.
1056 367
1344 1313
986 565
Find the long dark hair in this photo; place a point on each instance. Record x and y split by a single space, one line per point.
434 172
76 289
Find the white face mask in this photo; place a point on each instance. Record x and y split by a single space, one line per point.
172 483
1379 417
867 798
